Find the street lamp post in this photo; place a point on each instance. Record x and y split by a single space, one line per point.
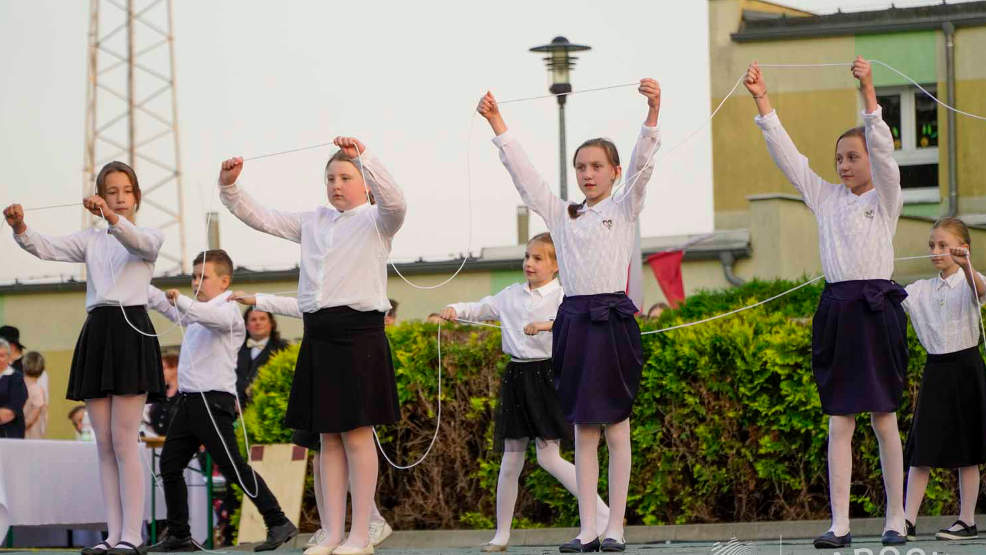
559 62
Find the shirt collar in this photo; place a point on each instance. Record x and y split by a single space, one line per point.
221 298
9 371
354 211
600 207
952 280
545 289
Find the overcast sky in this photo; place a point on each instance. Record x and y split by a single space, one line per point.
256 77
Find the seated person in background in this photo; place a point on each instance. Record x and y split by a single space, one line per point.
80 423
434 318
13 395
390 318
655 311
263 340
36 408
157 416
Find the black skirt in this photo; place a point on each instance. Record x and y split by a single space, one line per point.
111 358
949 426
309 440
859 346
597 358
528 406
344 377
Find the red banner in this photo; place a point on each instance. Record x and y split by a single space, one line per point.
667 270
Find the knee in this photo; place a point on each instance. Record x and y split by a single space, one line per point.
841 426
124 446
512 464
884 423
547 458
331 442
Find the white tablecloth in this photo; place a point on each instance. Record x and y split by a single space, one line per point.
56 483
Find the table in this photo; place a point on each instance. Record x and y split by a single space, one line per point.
52 484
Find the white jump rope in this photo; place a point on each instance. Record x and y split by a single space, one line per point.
630 183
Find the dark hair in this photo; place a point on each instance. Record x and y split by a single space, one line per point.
545 238
275 336
393 308
858 132
956 227
340 156
114 167
34 364
612 156
74 410
219 259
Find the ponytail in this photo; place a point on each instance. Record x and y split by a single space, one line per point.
573 209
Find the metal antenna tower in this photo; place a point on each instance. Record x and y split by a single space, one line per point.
132 112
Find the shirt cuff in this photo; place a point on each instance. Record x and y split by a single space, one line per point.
873 117
769 121
184 303
120 226
503 139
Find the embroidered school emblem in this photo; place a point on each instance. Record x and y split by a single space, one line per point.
868 214
608 224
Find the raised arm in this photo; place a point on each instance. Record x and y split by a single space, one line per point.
286 225
533 189
792 163
141 242
960 256
221 317
390 203
157 300
282 306
641 160
879 143
69 248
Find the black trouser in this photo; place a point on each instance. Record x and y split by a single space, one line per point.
191 427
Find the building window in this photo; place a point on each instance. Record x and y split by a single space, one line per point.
913 120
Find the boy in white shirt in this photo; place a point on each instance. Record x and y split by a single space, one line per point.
207 405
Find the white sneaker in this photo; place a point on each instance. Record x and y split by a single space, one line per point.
320 549
316 537
379 531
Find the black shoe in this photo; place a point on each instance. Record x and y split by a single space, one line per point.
966 532
171 543
277 536
829 540
99 549
612 545
893 537
127 548
912 531
576 546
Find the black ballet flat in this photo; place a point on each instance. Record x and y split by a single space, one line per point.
576 546
99 549
127 549
829 540
893 537
612 545
912 531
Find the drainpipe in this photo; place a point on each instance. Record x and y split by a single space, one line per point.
727 260
953 187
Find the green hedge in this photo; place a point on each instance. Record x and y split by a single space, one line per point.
727 425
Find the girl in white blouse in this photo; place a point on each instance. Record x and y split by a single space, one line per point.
859 332
116 366
596 350
528 404
344 379
948 429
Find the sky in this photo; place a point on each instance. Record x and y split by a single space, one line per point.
257 77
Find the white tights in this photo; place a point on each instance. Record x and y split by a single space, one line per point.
587 476
841 428
917 482
375 515
347 461
115 422
549 458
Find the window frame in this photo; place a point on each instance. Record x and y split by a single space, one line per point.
910 154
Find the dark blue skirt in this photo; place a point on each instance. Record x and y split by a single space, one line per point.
859 346
597 358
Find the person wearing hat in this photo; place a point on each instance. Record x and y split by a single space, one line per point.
13 336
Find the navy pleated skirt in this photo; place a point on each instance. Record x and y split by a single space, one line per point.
949 426
859 346
597 358
344 376
111 358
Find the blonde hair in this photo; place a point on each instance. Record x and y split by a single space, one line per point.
34 364
954 226
545 239
340 156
